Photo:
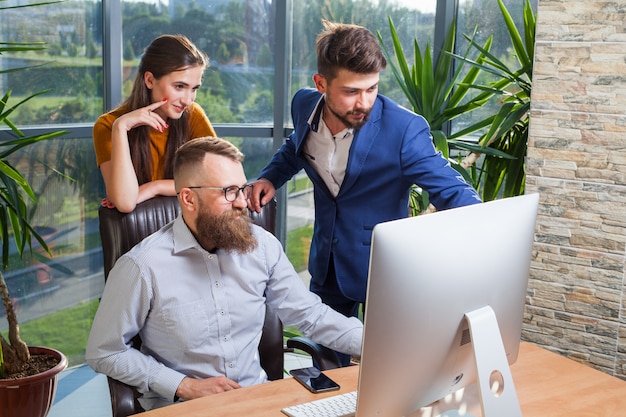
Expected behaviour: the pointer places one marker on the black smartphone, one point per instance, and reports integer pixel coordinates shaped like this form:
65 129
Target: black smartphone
314 380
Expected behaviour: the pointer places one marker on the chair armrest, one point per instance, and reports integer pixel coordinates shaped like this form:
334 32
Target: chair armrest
123 399
326 358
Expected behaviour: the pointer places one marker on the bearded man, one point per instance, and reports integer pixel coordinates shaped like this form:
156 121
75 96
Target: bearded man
196 291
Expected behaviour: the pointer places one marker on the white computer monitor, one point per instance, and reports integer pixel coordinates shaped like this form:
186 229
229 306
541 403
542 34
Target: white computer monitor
430 277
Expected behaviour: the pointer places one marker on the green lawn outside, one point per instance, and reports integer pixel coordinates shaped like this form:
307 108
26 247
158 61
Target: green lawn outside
298 243
65 330
299 183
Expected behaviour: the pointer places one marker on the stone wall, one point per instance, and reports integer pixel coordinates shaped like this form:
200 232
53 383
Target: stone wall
577 163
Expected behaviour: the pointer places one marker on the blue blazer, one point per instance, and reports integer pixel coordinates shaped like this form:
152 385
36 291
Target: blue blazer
392 151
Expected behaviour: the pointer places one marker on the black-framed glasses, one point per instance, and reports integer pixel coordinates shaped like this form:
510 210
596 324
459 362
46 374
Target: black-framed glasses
231 192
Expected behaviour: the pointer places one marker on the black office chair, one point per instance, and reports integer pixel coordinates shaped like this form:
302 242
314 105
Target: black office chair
119 232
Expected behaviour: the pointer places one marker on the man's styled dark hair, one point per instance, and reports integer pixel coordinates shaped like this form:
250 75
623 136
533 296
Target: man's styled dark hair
350 47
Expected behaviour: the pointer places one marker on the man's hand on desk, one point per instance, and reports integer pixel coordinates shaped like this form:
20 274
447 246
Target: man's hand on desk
191 388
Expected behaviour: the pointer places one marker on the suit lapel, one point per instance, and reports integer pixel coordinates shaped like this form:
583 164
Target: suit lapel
361 146
302 132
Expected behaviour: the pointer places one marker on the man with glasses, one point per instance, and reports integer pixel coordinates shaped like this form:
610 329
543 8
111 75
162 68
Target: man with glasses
362 152
196 291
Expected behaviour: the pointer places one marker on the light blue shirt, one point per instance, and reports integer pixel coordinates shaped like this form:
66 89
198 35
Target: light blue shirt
201 314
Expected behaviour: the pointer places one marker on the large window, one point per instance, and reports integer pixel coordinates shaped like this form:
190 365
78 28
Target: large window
261 52
55 296
70 67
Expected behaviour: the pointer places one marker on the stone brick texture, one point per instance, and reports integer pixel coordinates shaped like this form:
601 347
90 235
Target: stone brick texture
576 302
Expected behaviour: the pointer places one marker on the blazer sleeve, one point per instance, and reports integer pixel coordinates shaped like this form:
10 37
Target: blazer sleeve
286 163
431 171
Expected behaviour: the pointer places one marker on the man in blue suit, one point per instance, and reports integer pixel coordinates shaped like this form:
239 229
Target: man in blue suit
362 152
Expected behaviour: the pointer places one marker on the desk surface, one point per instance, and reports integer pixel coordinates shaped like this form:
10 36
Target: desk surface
547 384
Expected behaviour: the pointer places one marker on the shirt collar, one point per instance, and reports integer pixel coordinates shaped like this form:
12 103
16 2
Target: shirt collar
183 238
315 119
316 115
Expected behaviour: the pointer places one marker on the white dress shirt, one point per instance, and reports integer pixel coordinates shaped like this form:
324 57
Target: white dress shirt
328 153
201 314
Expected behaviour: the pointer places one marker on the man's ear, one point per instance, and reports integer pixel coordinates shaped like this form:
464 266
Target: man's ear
187 199
320 83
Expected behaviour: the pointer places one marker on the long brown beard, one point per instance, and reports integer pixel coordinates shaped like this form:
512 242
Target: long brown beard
225 231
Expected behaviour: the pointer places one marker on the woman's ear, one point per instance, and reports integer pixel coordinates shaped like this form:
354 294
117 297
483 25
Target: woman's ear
148 79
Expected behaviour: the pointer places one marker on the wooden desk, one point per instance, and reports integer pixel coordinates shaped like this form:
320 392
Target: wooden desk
547 384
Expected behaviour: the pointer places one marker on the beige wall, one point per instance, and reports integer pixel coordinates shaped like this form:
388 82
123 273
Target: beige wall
577 162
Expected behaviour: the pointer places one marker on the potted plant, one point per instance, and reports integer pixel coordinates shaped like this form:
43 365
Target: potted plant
28 374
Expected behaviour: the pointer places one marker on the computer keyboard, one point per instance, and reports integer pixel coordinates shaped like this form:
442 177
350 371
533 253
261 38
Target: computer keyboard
342 405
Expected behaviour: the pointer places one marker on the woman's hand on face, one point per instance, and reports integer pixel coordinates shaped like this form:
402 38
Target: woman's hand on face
145 116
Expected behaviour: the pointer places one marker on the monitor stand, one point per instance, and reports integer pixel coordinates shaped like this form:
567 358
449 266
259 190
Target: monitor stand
495 383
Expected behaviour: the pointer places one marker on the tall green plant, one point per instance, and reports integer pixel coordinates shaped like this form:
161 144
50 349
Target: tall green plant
503 174
15 191
436 91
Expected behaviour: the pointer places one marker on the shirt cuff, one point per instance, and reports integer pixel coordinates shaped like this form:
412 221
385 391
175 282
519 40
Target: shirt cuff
166 382
356 342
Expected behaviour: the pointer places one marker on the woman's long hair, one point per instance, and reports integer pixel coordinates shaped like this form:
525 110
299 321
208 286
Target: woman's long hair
165 54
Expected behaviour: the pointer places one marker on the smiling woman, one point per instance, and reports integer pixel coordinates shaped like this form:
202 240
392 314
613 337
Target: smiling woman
135 143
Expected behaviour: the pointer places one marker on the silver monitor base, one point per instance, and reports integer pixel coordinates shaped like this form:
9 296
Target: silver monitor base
495 383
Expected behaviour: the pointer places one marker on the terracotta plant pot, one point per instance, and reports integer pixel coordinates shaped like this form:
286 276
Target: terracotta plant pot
31 396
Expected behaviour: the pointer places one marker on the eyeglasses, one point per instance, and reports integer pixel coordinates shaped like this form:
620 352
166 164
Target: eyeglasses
231 193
